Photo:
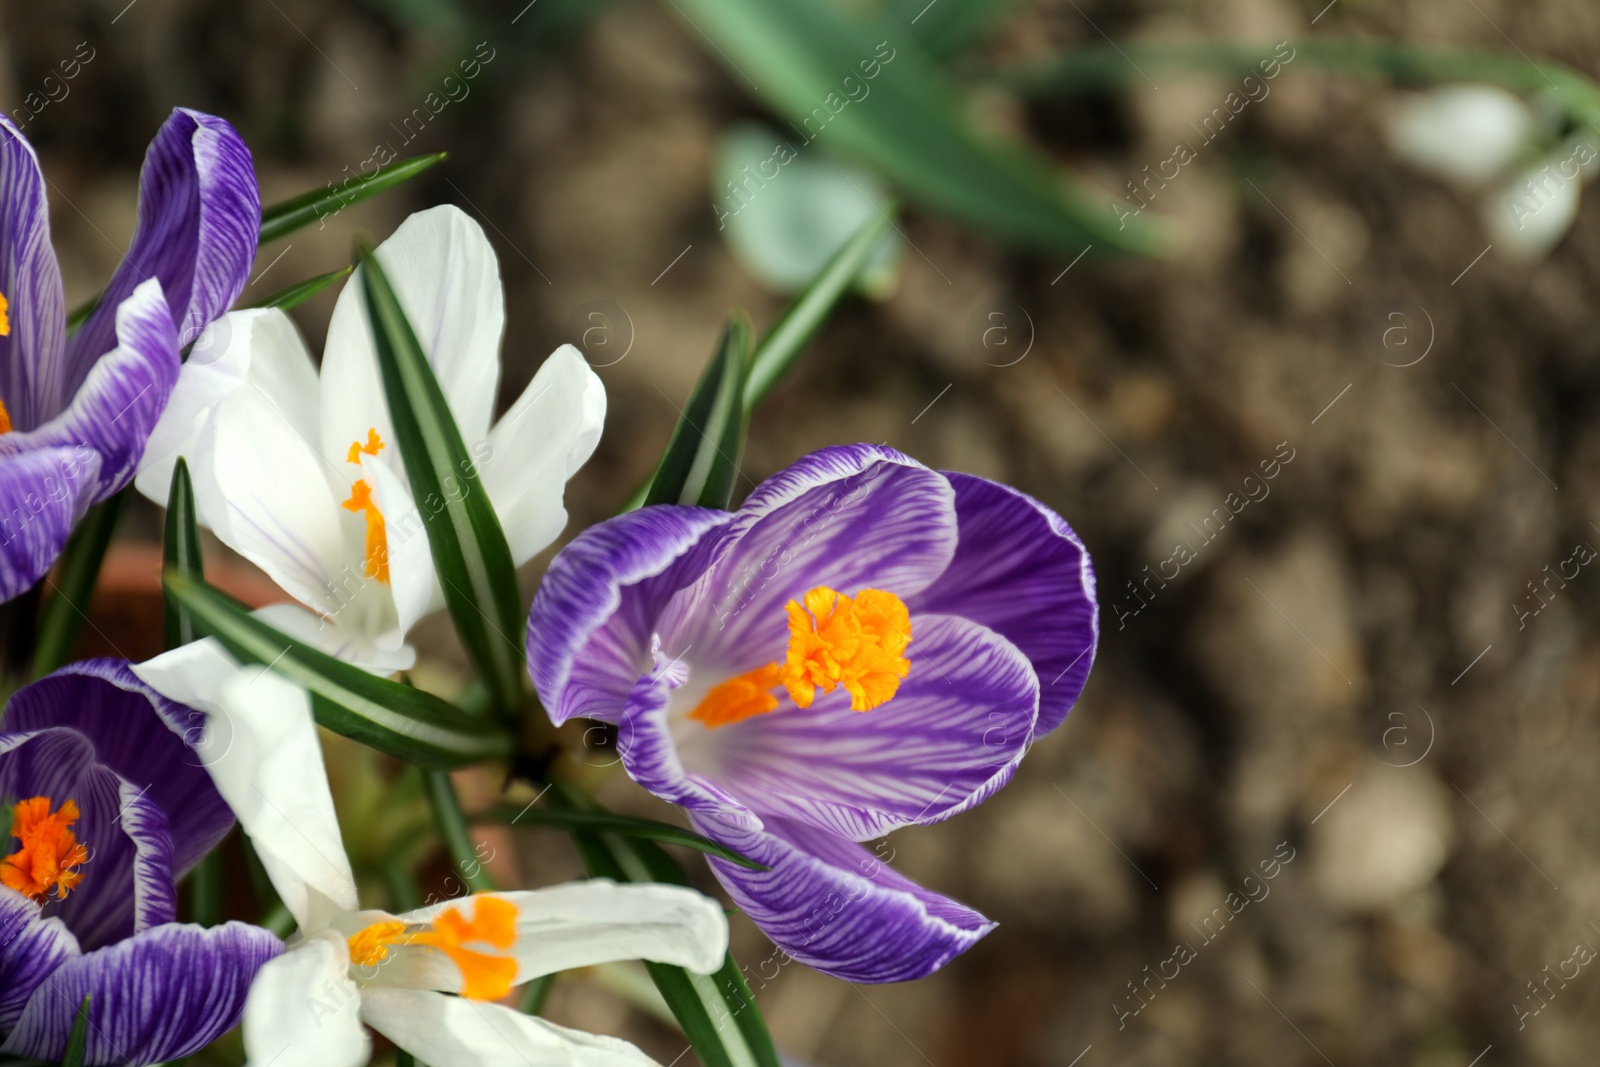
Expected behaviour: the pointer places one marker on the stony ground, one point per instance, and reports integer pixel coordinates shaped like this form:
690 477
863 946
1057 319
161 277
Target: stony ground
1336 689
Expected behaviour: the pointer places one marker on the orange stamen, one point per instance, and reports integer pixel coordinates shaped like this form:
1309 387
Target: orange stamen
5 316
373 446
361 502
50 852
857 643
5 417
484 975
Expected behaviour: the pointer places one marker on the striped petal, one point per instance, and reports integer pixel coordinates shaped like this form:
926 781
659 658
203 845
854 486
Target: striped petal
596 609
136 732
43 493
31 382
31 949
1023 573
119 402
836 906
155 997
199 217
854 517
953 735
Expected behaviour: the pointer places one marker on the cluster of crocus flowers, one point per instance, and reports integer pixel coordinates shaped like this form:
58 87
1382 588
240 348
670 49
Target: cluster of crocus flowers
75 412
864 645
426 979
109 808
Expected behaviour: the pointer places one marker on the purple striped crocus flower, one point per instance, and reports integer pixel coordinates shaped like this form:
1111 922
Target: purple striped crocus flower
865 644
109 806
75 412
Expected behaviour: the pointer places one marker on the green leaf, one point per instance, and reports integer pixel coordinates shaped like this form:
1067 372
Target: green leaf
702 459
290 215
300 292
469 548
64 611
860 85
78 1039
388 716
625 825
457 835
948 27
703 1004
180 554
802 319
205 890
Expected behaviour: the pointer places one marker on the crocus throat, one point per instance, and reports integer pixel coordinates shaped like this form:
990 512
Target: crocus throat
484 976
361 502
50 855
835 641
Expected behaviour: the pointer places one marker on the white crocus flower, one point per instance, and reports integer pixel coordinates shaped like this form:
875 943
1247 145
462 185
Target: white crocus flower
1486 140
297 470
425 979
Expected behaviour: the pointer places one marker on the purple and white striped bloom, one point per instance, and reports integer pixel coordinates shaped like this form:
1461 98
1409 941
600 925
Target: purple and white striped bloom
110 806
865 644
75 412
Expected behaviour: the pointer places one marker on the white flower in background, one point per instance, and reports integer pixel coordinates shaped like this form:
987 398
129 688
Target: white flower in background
424 979
1487 140
297 471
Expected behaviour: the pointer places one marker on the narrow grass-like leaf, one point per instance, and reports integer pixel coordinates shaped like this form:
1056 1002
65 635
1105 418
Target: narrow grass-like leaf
457 835
180 555
66 606
388 716
78 1039
704 1004
802 319
289 215
469 548
701 463
624 825
205 890
298 293
864 86
949 27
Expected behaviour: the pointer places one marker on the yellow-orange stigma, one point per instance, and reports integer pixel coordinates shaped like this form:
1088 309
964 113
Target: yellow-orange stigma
5 418
361 502
5 316
835 641
50 855
484 975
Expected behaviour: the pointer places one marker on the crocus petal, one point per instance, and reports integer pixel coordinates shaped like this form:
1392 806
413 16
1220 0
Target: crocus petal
199 217
1530 215
260 747
143 736
1021 571
412 578
448 282
341 642
259 348
454 1032
861 516
652 757
31 381
581 924
593 616
1467 134
303 1010
835 906
952 735
118 404
548 434
155 997
31 949
268 495
43 494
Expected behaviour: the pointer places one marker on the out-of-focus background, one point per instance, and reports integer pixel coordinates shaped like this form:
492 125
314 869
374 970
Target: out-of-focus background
1373 431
